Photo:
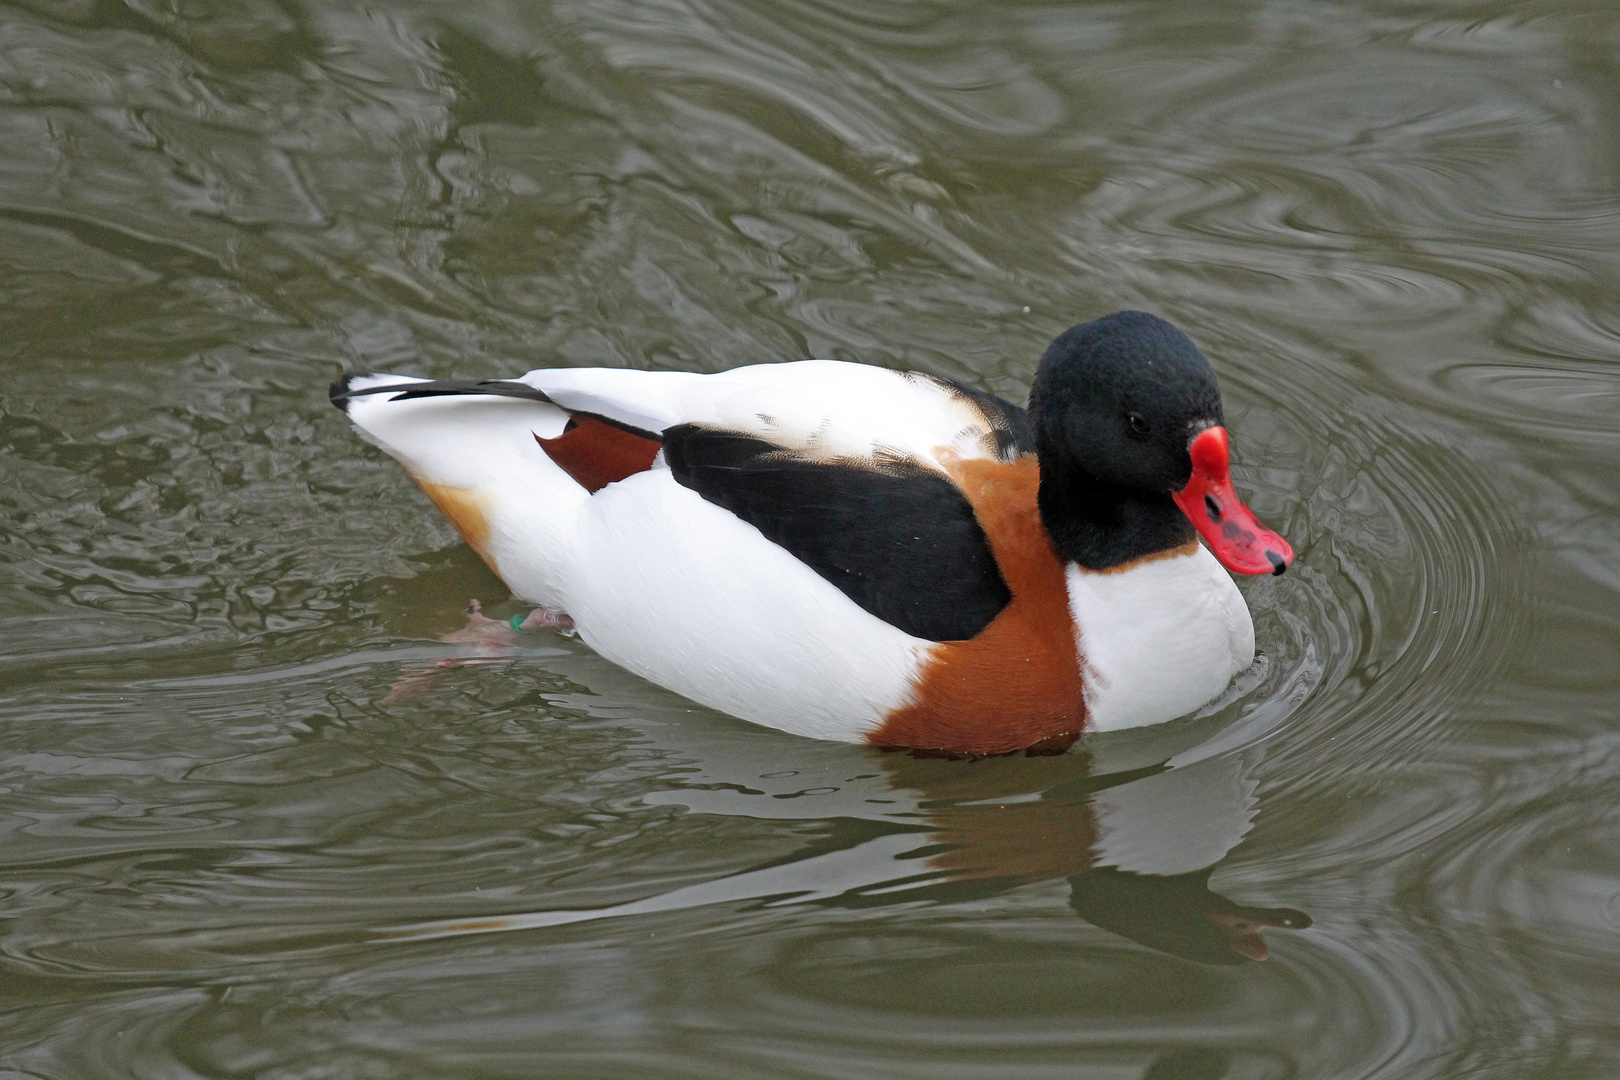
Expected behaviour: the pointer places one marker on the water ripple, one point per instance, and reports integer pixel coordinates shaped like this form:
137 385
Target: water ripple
1391 228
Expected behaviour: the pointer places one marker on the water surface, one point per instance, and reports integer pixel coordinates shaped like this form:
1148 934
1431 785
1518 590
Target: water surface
235 844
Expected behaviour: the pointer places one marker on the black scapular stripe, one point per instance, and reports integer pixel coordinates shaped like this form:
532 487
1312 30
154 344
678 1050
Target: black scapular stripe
898 539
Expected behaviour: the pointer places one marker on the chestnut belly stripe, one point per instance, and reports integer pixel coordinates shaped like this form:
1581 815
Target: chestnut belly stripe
1017 685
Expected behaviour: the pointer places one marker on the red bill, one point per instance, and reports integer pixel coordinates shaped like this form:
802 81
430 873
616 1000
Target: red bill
1211 503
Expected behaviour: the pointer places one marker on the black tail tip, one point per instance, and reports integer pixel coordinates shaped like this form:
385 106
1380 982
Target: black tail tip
338 392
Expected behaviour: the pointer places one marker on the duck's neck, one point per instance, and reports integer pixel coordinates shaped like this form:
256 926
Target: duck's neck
1101 525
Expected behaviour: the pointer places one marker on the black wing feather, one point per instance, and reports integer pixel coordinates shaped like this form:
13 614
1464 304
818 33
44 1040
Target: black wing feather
340 392
898 539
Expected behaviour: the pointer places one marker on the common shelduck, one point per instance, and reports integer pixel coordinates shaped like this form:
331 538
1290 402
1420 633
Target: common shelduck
861 554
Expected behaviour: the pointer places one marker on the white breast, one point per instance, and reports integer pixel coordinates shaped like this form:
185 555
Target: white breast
1158 640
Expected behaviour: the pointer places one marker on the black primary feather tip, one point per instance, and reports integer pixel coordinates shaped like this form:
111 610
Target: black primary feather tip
341 392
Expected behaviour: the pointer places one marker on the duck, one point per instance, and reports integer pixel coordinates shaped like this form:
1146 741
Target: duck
861 554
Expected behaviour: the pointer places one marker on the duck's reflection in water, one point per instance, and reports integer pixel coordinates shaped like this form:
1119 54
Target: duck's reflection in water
1137 847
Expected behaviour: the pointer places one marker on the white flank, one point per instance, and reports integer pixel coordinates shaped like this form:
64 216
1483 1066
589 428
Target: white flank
686 594
1158 640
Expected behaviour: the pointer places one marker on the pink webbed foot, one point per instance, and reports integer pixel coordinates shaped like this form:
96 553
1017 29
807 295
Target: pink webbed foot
546 619
487 641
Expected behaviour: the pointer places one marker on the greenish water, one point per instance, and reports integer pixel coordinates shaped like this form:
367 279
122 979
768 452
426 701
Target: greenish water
1393 226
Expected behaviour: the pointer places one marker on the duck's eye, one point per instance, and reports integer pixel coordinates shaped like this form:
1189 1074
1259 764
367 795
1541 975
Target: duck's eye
1138 423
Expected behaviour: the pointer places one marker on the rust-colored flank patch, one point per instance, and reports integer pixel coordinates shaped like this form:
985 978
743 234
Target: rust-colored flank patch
1017 685
463 508
597 454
